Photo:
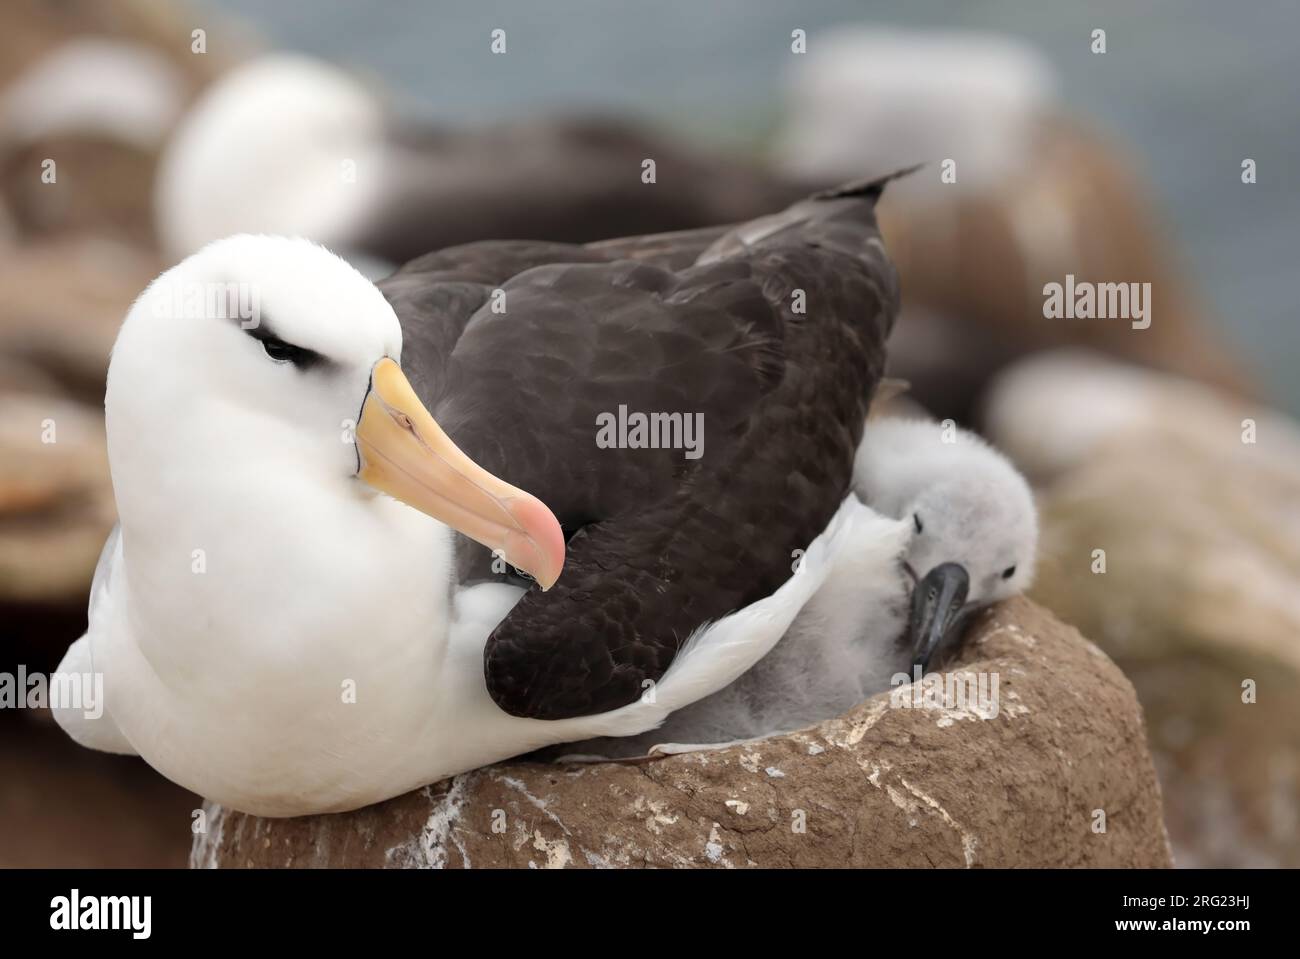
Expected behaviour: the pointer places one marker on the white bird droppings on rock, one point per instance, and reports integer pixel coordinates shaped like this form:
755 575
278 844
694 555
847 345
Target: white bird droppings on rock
713 848
556 850
428 850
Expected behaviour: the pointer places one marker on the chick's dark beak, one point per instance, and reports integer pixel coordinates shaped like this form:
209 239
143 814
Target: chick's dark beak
937 603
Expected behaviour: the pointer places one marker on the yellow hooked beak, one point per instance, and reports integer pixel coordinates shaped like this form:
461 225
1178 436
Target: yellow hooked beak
405 453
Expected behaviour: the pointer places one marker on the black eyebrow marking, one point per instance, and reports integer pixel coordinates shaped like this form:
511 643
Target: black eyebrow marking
300 356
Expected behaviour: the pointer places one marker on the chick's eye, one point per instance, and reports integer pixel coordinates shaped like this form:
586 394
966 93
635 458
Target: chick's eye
1008 572
916 519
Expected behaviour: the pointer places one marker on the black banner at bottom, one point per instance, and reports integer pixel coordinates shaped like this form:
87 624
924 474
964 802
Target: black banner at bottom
334 907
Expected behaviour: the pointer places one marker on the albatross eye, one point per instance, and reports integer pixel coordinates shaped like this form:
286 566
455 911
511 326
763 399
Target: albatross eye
281 352
916 519
1008 572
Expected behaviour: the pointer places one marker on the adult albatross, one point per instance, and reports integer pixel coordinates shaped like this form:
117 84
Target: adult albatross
277 634
770 336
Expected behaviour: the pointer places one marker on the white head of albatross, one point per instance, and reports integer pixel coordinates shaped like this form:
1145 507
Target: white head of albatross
265 364
272 628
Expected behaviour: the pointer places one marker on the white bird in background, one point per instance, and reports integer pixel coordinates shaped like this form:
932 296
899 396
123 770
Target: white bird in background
881 97
323 155
124 92
942 525
301 126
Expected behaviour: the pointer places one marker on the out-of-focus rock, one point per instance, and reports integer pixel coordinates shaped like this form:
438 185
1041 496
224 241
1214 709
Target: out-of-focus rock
1194 497
89 92
56 499
103 186
61 304
82 128
976 266
32 29
1034 196
67 807
879 786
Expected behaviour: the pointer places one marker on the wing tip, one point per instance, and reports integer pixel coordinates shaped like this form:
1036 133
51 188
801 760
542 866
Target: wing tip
866 187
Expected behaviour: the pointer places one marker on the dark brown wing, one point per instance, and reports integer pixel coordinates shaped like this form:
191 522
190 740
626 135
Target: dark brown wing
773 339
